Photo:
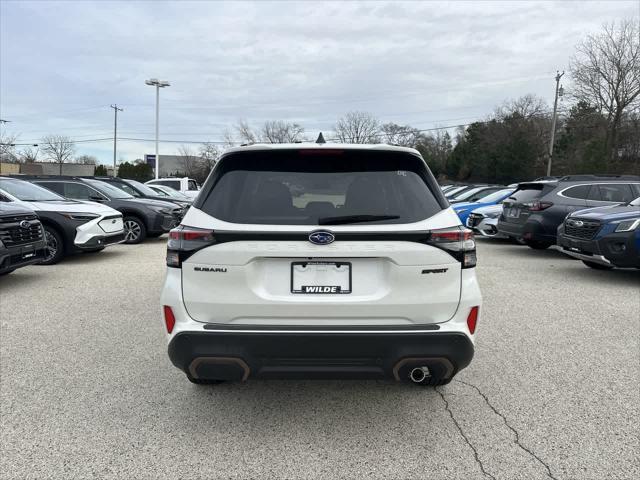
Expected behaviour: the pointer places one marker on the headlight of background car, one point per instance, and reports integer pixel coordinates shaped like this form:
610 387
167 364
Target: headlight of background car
80 216
627 225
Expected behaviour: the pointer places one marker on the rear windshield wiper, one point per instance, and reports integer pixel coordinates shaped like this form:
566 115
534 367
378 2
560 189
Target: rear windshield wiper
354 219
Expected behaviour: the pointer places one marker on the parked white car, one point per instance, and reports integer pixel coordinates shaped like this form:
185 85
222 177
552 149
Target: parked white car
186 185
70 226
484 220
321 261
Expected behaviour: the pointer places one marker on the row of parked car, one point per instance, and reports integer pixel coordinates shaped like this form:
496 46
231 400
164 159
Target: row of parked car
44 218
594 218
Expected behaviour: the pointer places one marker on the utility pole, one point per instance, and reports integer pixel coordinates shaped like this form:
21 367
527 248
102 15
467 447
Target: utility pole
559 92
154 82
3 122
115 134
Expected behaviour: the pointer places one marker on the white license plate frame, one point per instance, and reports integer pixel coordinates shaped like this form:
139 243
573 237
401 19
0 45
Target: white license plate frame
327 287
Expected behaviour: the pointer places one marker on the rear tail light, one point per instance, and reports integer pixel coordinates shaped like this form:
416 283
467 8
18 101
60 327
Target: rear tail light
537 206
472 319
185 241
458 242
169 318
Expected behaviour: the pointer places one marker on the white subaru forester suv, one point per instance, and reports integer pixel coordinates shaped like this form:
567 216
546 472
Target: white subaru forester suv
321 261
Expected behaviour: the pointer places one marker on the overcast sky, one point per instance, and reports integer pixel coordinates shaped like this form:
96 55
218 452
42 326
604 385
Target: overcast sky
425 64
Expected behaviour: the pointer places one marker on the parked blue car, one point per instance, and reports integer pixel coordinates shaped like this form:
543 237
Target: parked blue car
463 209
603 237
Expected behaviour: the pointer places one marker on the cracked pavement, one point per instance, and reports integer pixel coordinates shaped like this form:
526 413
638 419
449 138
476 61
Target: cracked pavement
86 388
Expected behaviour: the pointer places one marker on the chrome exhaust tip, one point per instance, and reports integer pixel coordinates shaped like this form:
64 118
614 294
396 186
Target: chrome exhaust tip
419 374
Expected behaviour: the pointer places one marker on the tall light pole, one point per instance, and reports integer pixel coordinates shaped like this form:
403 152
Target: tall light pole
115 134
559 92
158 84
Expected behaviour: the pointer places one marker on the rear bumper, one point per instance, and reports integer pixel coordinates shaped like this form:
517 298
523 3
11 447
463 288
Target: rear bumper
239 355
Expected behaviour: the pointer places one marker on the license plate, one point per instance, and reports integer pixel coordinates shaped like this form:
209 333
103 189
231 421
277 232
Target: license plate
513 213
321 277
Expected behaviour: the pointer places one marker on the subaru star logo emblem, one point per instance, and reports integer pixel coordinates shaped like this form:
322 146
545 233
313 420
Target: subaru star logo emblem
24 224
578 223
321 237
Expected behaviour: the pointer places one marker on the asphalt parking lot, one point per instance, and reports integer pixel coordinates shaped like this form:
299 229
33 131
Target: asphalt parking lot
87 390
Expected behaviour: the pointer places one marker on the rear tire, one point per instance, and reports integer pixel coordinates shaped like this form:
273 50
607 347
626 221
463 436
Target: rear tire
596 266
134 230
537 245
54 251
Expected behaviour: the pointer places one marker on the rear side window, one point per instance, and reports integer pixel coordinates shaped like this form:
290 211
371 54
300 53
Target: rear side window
193 185
175 184
612 192
309 187
580 192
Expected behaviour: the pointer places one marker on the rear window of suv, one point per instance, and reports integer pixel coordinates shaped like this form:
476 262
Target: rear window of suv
313 187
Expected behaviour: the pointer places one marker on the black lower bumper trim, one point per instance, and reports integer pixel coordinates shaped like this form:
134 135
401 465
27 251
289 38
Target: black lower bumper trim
241 355
101 241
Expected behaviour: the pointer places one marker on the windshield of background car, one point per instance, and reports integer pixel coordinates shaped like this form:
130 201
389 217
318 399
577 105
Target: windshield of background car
108 190
495 196
27 192
299 187
140 187
465 195
170 192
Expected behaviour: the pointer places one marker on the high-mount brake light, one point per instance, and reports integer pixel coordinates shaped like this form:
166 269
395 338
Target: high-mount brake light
321 151
459 242
184 241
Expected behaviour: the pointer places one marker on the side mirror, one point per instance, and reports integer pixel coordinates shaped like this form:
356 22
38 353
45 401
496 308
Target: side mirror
96 198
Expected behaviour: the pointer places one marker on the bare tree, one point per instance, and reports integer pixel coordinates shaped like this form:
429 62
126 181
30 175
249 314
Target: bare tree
86 160
357 127
278 131
58 148
403 135
209 154
606 74
244 131
527 107
29 154
8 148
190 161
229 141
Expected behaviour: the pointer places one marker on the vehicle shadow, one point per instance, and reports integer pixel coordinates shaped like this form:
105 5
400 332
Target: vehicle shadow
20 278
297 406
617 276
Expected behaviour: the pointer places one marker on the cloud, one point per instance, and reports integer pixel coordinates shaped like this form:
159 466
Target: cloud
423 63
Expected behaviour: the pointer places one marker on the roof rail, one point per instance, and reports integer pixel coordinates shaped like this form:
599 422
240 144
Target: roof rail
599 176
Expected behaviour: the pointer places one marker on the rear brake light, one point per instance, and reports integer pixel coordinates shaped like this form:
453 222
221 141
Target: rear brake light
472 319
537 206
169 318
185 241
459 242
